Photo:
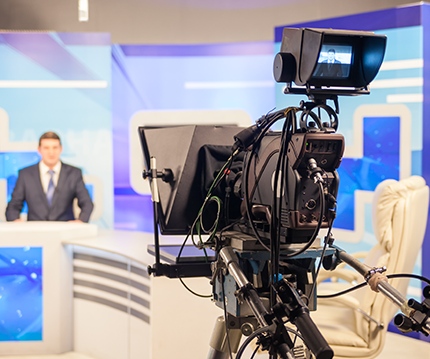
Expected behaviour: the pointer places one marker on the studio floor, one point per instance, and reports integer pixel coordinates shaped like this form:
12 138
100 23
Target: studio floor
397 347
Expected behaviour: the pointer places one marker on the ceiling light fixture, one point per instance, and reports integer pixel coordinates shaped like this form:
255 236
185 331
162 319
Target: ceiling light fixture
83 10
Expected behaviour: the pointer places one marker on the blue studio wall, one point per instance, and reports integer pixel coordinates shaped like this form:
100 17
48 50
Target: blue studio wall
176 78
58 82
392 139
89 92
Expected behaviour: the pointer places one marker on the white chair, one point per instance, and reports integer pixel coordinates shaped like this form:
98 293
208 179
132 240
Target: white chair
355 324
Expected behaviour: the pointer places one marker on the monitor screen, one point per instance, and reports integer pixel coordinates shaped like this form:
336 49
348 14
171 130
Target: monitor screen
334 62
194 154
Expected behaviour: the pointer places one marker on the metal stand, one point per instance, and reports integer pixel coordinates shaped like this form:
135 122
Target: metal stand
176 270
223 340
272 333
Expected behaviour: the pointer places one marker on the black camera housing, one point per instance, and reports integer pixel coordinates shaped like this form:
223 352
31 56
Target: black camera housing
304 51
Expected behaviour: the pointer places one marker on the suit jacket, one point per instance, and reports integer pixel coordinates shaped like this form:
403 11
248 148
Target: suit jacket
329 70
29 188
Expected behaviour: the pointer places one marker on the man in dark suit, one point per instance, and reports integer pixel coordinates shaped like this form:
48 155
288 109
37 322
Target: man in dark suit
330 67
50 187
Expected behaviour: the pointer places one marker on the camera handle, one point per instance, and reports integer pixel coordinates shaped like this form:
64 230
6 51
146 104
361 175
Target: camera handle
152 174
166 175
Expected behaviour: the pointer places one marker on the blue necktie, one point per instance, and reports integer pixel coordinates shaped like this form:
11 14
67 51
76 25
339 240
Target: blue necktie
51 187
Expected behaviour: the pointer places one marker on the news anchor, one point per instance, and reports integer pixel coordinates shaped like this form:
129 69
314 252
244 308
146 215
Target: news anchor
330 67
50 187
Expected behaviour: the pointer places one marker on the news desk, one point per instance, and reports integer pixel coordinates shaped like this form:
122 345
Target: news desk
71 287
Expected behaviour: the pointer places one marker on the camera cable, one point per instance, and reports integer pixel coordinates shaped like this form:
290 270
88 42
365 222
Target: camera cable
363 284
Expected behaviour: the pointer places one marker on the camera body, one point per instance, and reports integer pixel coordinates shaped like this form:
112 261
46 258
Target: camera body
263 201
289 181
298 195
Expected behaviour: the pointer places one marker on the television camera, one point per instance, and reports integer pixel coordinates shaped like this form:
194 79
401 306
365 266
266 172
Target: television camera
253 201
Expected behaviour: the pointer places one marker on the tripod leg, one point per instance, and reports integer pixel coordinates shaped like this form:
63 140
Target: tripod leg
220 344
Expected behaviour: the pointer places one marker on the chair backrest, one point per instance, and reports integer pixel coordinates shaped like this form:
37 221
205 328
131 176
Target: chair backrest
400 210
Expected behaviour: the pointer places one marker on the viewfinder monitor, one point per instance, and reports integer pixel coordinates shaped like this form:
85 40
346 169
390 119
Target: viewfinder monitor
327 58
334 61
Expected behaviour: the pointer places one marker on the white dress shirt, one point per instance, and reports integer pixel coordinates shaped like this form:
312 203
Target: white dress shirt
45 176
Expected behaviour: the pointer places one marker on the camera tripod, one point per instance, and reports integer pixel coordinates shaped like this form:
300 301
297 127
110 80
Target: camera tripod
255 317
250 310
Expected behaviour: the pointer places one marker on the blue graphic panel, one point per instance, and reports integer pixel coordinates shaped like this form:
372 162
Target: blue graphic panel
381 160
64 82
404 76
178 77
21 294
10 164
381 135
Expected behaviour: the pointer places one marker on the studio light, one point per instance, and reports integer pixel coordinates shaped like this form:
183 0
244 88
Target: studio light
83 10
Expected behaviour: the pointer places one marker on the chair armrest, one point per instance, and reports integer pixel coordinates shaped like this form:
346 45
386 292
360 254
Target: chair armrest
343 300
348 302
350 276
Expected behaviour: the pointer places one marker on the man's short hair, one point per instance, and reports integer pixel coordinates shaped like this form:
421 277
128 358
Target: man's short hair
331 50
49 135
